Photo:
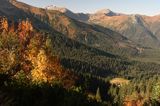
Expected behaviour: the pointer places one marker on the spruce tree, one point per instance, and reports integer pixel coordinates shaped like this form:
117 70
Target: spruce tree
98 95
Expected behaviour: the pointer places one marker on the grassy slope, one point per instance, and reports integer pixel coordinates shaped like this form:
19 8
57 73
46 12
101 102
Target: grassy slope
149 55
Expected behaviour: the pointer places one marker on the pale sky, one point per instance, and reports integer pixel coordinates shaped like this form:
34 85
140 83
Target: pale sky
145 7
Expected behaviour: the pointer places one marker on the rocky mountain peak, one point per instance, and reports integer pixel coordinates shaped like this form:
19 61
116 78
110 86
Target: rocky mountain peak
107 12
104 11
60 9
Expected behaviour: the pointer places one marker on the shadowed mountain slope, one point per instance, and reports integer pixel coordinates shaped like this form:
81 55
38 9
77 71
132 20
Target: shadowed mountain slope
91 35
143 30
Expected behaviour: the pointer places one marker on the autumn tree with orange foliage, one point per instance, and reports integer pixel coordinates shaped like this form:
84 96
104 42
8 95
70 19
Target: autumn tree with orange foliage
12 28
4 24
24 30
34 55
47 67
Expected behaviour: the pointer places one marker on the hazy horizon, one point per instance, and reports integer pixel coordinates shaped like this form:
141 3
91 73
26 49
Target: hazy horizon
144 7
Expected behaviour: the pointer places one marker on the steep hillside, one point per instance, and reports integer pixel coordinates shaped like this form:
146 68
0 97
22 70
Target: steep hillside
153 24
143 30
91 35
133 27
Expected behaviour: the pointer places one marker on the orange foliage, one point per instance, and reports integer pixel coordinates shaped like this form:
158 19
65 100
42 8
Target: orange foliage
55 69
47 68
4 24
24 29
138 102
133 103
12 28
34 58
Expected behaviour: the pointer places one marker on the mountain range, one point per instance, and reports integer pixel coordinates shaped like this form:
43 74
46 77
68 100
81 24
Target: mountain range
141 29
92 35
